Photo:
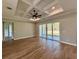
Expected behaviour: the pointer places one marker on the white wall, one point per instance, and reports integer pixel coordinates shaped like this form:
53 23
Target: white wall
68 28
23 30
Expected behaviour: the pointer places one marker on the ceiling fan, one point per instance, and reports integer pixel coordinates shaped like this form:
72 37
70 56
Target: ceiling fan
35 15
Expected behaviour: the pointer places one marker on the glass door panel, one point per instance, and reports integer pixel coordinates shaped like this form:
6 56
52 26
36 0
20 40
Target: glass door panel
10 30
40 30
56 31
49 31
44 31
7 30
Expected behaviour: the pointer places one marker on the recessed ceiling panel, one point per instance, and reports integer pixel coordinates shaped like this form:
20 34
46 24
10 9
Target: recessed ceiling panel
29 14
54 9
22 6
29 1
19 13
43 3
44 15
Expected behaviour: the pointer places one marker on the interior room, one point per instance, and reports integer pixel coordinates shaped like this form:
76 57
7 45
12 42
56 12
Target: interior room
39 29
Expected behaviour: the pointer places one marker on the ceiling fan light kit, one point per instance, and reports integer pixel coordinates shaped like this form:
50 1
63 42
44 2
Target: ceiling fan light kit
37 19
35 15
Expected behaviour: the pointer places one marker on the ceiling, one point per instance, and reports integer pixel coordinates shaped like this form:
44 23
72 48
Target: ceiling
20 9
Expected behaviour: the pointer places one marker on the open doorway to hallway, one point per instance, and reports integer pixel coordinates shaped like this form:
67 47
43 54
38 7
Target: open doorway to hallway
50 31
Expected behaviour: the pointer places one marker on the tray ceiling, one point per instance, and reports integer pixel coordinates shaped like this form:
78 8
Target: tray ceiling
22 8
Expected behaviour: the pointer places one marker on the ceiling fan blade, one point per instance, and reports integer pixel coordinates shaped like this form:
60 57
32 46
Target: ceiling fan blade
36 13
39 15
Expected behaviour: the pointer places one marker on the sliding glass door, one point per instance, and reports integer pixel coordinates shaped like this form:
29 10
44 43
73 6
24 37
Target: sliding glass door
56 31
42 29
50 31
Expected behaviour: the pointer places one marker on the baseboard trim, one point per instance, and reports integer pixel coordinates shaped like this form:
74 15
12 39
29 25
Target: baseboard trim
68 43
24 38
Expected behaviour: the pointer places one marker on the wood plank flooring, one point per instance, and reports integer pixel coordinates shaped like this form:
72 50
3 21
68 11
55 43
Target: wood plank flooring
35 48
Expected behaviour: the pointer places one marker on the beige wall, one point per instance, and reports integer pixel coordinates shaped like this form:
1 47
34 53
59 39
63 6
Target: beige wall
68 28
22 29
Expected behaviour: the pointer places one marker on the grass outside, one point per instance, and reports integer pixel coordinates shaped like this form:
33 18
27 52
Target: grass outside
54 33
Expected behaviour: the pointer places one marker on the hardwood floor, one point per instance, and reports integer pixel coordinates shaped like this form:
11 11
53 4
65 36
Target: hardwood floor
33 48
